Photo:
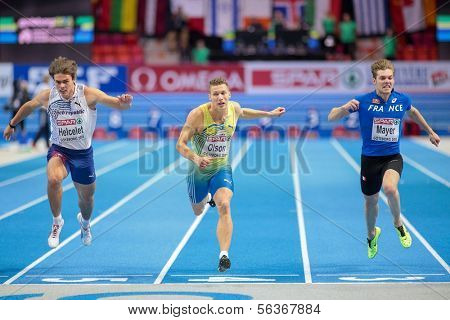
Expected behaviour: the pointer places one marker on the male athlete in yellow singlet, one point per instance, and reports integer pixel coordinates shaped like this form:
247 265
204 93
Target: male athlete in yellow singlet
210 128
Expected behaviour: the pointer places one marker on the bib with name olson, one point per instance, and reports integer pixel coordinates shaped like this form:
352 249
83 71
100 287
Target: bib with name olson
216 146
215 139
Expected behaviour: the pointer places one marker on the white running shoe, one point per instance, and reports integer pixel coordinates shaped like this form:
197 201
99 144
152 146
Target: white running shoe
86 235
53 238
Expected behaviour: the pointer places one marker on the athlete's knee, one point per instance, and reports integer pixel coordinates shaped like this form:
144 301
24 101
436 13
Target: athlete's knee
54 180
86 199
223 204
371 201
390 190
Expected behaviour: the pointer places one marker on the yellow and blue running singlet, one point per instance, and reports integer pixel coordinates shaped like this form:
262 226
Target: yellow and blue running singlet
214 141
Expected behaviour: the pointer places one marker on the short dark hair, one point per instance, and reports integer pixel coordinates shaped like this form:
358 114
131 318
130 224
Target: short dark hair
63 65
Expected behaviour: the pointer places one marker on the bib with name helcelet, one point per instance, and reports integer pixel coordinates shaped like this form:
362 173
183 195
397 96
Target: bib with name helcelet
386 129
72 122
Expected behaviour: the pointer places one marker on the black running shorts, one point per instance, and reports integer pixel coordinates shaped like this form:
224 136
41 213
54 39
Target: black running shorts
373 169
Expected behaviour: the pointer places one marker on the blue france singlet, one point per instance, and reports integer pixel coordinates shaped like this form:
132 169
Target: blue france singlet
381 122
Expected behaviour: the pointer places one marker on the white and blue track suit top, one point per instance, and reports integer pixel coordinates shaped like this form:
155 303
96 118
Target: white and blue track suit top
72 121
381 122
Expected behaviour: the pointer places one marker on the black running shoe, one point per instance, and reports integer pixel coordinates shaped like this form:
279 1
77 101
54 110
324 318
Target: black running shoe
224 264
212 204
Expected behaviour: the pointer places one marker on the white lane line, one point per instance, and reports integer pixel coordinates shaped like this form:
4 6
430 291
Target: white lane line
444 146
161 174
197 220
424 170
22 177
300 217
378 274
411 228
36 172
11 157
86 275
110 147
235 275
69 186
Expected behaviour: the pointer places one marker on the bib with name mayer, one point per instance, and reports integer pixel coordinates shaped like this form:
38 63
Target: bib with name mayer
385 129
381 122
215 139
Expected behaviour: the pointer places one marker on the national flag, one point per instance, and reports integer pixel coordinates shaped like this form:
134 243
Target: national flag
115 13
221 17
413 15
293 11
102 10
429 11
260 10
370 17
321 9
309 12
147 16
191 8
128 19
153 16
163 10
407 15
195 12
443 28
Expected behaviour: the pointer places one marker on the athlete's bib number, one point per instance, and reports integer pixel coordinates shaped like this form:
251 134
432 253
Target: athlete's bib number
385 129
70 129
216 146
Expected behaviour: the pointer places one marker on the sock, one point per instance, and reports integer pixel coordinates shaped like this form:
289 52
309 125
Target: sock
84 223
223 253
58 219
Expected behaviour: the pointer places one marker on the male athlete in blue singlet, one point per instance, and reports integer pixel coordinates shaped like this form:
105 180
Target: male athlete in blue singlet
210 127
72 111
380 115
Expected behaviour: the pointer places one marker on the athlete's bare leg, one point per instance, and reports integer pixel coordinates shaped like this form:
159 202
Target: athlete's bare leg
371 211
56 172
85 199
199 207
222 198
390 188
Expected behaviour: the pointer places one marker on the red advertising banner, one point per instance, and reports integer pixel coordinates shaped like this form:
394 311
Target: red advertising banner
299 77
188 78
291 77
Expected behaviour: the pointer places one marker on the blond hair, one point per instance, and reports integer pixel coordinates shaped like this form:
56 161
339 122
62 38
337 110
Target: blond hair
217 82
63 65
382 64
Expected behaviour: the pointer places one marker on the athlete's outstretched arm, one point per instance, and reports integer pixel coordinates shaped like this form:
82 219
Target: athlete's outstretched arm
94 96
343 111
417 117
247 113
189 128
25 110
